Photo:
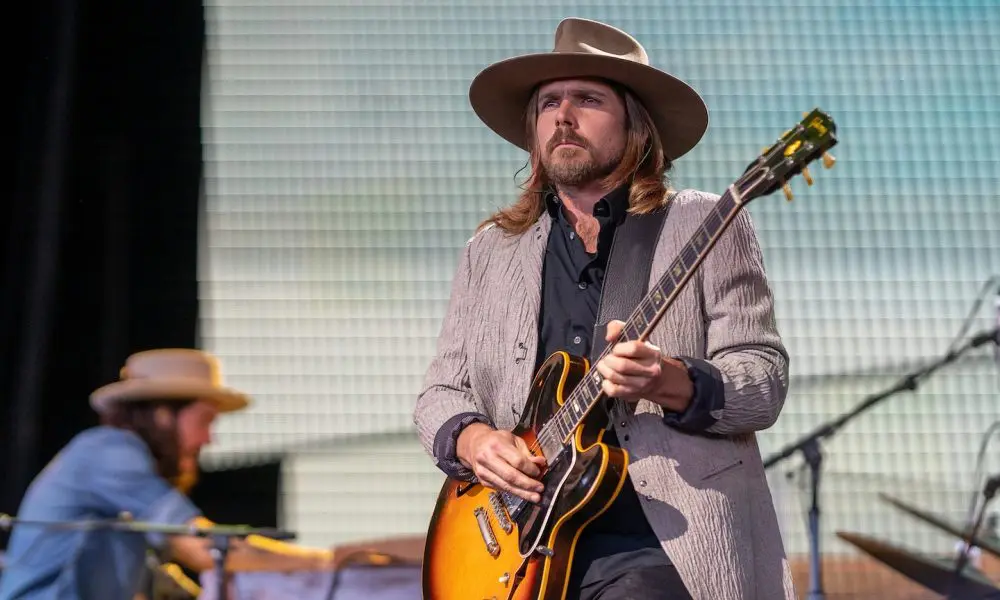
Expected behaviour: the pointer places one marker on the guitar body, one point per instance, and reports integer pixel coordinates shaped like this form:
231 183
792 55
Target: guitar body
487 545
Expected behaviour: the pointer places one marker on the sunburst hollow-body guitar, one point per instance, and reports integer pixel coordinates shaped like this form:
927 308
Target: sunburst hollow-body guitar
486 544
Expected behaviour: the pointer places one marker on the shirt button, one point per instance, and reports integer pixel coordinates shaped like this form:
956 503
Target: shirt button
577 340
623 424
582 285
642 483
572 235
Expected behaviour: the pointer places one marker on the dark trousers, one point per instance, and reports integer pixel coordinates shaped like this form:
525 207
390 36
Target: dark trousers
642 583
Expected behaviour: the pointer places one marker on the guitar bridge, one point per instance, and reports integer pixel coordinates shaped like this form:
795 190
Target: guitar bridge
489 538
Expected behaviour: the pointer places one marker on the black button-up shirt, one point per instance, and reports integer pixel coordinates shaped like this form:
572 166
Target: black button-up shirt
572 280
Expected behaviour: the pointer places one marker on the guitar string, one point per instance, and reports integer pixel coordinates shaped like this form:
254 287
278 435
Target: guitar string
546 431
546 434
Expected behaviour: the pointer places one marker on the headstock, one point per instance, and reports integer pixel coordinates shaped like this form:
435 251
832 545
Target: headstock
790 155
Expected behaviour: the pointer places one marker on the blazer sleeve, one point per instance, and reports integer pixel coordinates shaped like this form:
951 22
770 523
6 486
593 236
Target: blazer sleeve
445 404
741 384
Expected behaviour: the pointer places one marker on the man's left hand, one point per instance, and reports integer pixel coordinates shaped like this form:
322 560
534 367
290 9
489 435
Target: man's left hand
636 370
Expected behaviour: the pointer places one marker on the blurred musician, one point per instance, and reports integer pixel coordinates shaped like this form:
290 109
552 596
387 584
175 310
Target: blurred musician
141 460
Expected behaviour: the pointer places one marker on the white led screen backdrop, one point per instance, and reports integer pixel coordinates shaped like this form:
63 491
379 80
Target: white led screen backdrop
345 169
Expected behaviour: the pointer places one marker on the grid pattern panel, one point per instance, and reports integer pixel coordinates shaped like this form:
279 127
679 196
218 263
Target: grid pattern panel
345 170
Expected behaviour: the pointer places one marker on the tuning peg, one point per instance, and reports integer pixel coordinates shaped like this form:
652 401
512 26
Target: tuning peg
788 191
807 176
828 160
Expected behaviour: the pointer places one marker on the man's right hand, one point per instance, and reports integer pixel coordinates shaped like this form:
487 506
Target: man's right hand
501 460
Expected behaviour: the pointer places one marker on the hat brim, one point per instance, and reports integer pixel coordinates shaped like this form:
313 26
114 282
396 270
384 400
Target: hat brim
500 93
138 390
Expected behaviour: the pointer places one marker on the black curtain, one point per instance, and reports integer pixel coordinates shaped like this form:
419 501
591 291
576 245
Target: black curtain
101 216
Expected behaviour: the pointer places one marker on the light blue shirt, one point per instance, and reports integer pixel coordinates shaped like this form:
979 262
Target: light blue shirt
101 473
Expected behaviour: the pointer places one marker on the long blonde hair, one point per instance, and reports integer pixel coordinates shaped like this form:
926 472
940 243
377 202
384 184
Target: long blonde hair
643 166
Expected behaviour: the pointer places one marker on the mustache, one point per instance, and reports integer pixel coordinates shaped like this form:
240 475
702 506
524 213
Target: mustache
565 137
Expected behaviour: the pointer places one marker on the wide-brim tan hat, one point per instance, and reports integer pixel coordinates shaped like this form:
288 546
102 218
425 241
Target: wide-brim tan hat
169 374
589 49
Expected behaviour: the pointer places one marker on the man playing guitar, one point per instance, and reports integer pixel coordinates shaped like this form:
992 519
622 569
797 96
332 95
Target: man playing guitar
694 518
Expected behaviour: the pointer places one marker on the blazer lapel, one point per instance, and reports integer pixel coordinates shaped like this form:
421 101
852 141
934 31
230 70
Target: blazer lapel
531 251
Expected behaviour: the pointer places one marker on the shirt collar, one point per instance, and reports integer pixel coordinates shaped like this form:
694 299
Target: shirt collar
613 206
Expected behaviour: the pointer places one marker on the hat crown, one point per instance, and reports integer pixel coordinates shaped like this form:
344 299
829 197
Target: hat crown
574 35
173 364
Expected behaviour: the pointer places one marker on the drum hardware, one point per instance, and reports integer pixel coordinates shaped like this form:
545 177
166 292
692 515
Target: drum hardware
220 535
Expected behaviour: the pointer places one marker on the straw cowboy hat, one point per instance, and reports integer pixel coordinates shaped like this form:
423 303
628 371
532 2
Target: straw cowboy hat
584 48
169 374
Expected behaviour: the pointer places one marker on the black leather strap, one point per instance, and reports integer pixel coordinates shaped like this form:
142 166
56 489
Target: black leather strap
626 278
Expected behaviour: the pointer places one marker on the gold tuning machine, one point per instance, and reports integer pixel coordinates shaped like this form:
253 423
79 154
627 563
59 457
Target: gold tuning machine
828 160
788 191
807 176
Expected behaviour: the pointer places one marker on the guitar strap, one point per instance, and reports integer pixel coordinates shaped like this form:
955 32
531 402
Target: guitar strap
626 276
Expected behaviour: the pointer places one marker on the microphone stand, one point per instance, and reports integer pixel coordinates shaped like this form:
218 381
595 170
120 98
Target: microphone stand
809 446
989 490
220 535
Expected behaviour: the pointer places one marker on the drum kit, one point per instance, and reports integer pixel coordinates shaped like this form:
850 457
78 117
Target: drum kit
951 578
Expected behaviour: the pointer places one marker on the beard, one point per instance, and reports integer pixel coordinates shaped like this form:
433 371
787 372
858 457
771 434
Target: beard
575 165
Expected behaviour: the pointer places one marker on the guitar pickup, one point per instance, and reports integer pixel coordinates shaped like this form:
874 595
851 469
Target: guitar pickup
503 519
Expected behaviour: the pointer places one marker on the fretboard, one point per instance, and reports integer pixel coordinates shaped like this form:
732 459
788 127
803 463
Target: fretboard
645 317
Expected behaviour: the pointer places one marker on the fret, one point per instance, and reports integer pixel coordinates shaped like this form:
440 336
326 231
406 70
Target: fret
648 311
700 239
567 423
657 296
593 388
689 255
595 379
713 222
725 204
676 273
632 331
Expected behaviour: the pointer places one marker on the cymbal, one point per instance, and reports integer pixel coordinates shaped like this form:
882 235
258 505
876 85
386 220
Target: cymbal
933 573
944 525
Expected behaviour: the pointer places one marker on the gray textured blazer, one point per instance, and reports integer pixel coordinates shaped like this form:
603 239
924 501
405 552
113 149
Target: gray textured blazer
705 496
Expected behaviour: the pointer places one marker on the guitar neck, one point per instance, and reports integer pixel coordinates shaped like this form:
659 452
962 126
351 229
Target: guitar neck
651 309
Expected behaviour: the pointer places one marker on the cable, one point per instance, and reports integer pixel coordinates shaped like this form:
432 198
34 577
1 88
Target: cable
371 557
969 318
974 518
980 459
